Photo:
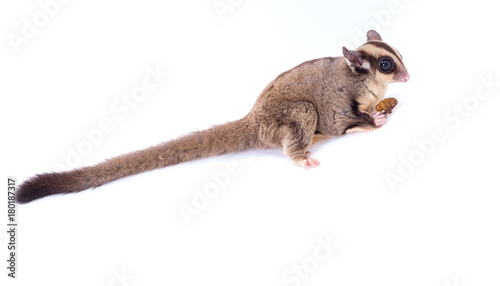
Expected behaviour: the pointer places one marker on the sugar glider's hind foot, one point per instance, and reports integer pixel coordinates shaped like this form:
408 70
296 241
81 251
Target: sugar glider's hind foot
309 162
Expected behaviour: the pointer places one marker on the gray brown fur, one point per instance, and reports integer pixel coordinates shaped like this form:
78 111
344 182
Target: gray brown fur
326 97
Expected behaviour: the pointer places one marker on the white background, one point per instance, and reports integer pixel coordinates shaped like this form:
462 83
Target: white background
438 226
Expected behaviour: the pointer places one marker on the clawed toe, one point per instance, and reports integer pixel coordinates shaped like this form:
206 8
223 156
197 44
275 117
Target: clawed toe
379 118
309 162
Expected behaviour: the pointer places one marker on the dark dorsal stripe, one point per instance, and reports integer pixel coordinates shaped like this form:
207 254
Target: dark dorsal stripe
384 46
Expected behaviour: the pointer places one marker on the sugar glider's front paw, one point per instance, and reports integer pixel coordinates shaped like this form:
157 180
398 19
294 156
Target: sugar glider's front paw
379 118
309 162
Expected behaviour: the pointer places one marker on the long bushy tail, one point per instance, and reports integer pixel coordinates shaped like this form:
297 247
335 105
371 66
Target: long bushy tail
233 136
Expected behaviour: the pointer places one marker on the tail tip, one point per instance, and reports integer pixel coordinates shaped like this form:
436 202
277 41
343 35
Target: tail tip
36 187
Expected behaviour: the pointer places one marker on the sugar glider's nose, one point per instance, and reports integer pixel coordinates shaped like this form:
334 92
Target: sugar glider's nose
402 76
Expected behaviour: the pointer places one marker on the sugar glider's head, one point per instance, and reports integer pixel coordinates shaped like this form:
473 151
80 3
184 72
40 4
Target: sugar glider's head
383 62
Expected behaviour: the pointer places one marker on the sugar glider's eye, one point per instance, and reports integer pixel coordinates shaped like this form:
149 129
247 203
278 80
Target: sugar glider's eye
386 65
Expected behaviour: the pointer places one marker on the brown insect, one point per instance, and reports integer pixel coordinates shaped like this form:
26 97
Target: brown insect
387 105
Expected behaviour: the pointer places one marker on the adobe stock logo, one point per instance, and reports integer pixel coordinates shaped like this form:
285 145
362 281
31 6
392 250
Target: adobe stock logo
454 282
323 251
30 28
203 197
454 118
380 19
121 107
222 7
120 278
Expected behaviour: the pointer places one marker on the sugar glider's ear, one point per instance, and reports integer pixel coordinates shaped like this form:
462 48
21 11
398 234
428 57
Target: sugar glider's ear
355 59
372 35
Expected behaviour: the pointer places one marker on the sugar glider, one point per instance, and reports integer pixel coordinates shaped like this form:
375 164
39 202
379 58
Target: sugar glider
327 97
